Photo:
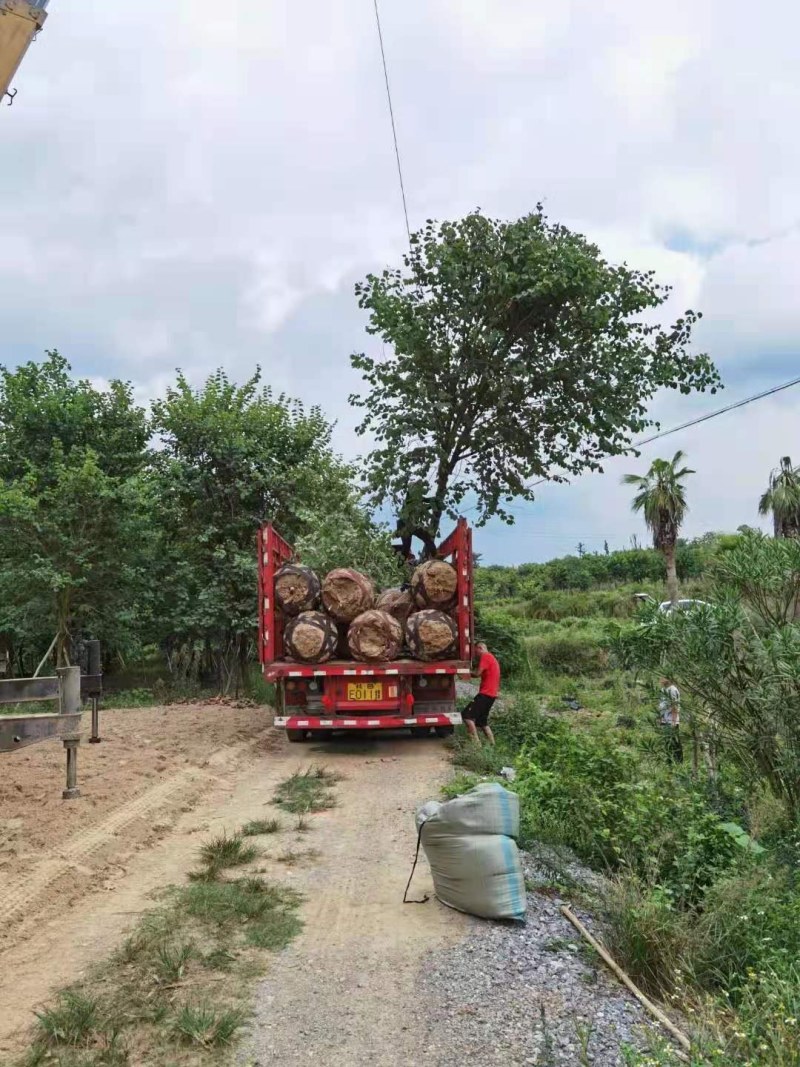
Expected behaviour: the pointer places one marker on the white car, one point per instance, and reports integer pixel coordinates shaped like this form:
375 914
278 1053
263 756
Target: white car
667 606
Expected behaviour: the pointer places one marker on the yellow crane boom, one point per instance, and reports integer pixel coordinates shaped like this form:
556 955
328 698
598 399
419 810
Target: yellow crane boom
20 21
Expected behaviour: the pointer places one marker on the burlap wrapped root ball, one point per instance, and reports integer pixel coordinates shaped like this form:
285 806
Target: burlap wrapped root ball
375 636
397 602
431 634
296 589
310 637
435 585
346 594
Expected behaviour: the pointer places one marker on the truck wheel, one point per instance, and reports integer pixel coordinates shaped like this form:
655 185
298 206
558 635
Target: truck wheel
420 731
445 731
296 735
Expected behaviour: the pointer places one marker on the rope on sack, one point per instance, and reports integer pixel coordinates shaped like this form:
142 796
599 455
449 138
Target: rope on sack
426 898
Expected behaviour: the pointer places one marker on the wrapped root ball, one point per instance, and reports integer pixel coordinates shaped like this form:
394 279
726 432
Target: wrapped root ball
296 589
375 636
397 602
435 585
347 594
431 634
311 637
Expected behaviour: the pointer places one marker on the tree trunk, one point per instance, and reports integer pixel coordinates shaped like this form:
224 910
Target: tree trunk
63 642
672 573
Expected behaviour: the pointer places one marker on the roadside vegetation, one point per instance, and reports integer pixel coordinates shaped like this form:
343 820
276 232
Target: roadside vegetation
702 893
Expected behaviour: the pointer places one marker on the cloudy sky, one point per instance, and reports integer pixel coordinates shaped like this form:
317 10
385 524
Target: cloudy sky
199 183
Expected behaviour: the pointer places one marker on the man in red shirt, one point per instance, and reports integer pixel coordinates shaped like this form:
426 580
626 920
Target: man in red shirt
476 714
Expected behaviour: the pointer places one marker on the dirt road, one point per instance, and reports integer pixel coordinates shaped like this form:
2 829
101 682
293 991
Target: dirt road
344 992
75 877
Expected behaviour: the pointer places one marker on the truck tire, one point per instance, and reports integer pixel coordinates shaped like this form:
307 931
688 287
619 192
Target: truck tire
296 735
420 731
445 731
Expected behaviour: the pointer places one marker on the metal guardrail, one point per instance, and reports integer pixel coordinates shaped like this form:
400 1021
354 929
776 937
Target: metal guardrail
70 689
27 690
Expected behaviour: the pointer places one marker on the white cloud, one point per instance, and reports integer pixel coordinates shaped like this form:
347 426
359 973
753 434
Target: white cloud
195 184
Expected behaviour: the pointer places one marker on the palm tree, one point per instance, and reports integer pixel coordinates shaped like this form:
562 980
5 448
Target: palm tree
783 499
661 497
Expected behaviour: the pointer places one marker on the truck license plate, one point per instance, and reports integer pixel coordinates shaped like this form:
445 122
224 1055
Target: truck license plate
364 691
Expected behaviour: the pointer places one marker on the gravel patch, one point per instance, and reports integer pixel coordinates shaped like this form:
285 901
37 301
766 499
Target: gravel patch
533 993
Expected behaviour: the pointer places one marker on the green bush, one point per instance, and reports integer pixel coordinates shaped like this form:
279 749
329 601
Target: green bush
586 791
501 633
750 923
569 651
596 603
647 935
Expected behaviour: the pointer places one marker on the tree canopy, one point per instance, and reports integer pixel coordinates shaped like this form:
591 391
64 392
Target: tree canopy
141 532
72 529
230 458
515 352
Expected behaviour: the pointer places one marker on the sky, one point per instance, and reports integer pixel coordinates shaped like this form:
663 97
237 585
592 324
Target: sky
200 183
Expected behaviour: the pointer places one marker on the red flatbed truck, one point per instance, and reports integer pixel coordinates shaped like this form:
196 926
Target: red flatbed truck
352 694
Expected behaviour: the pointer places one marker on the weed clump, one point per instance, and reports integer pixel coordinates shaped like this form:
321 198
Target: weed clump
307 791
261 827
134 1007
206 1025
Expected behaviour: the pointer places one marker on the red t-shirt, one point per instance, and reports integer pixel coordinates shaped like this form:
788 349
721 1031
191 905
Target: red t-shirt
489 670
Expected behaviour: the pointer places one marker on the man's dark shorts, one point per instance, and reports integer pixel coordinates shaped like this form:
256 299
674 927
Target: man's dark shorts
478 709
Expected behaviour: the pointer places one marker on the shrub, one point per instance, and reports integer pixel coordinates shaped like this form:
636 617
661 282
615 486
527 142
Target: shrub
647 935
750 923
500 631
739 656
560 605
586 791
569 651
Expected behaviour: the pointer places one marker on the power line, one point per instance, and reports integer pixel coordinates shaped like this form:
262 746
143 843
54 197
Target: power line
697 421
683 426
391 116
720 411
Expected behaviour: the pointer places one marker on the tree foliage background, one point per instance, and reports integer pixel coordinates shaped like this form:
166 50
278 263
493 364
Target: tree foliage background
140 529
516 352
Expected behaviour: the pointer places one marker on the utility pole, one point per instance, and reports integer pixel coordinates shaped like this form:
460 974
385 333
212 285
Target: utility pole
20 21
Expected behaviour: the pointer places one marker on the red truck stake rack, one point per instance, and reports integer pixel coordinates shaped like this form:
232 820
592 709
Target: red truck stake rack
402 694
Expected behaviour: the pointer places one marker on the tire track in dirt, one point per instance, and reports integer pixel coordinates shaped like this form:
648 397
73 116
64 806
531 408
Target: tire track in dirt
70 933
23 895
